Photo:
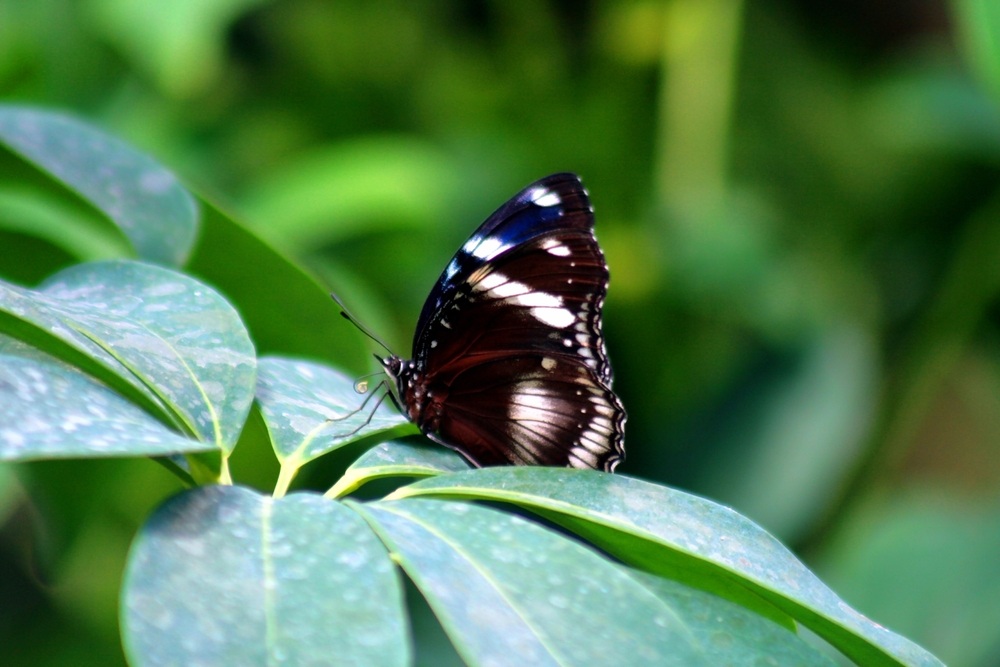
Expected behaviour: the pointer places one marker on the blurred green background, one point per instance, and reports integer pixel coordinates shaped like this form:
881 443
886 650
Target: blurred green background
799 202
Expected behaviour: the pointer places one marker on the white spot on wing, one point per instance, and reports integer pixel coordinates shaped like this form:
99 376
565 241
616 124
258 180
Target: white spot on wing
490 281
544 307
484 248
540 299
555 317
530 406
603 409
554 247
545 197
509 289
581 458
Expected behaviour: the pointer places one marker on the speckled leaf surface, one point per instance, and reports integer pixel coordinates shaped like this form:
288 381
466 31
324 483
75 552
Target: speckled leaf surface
50 410
157 214
299 398
399 459
169 336
730 634
224 576
509 592
659 529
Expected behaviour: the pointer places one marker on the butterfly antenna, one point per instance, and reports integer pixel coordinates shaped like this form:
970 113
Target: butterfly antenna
350 318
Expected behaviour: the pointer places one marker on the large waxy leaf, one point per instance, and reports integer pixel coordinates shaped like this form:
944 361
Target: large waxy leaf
669 532
510 592
168 337
139 195
161 219
731 634
48 410
298 400
225 576
398 459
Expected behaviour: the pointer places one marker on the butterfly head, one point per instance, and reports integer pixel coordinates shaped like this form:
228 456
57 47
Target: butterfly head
405 386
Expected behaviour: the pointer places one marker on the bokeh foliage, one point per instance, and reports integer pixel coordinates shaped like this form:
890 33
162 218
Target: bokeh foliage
798 204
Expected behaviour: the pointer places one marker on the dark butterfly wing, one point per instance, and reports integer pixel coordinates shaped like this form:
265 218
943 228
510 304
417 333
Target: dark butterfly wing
509 361
554 202
532 410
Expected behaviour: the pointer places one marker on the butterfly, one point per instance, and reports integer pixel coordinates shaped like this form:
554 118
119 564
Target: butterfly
509 364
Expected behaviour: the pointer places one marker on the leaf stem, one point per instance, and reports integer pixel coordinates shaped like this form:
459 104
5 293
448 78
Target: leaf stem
225 476
289 468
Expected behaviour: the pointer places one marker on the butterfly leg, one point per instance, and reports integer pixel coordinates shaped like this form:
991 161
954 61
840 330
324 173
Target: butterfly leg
383 390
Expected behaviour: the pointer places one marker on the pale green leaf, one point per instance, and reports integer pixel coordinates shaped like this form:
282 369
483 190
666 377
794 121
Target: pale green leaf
311 409
225 576
682 536
170 337
139 195
50 410
509 592
730 634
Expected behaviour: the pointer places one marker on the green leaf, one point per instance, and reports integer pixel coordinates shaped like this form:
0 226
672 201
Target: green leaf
49 410
398 459
508 591
168 336
728 633
287 310
139 195
223 575
11 492
30 212
683 537
298 399
341 190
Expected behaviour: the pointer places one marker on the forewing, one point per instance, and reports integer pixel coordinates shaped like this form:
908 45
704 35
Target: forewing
552 203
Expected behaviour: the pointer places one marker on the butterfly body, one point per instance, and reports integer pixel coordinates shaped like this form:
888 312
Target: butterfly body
509 364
